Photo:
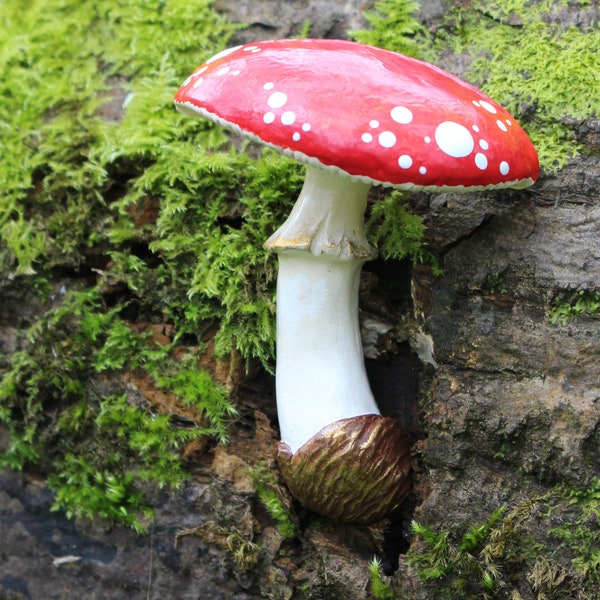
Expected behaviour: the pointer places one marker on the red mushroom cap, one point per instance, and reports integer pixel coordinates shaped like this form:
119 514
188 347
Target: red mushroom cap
377 115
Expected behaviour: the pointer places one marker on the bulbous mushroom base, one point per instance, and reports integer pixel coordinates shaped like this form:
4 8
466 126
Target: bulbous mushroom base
354 470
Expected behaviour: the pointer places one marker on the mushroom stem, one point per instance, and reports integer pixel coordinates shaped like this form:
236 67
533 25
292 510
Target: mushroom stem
320 373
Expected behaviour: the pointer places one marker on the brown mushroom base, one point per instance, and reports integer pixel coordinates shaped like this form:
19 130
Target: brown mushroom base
354 470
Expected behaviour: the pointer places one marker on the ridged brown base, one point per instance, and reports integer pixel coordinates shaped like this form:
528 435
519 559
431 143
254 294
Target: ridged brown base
354 470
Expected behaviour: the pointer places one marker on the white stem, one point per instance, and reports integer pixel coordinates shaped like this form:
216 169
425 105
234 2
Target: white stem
327 218
320 374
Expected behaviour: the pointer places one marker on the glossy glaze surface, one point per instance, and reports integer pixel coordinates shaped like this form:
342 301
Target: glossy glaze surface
374 114
355 470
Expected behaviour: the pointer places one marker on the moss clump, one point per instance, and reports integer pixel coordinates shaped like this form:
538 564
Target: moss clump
87 430
394 27
96 141
397 232
379 588
92 153
578 304
518 553
68 67
215 249
274 501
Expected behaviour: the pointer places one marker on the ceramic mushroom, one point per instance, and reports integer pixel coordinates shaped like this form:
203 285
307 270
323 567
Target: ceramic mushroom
357 116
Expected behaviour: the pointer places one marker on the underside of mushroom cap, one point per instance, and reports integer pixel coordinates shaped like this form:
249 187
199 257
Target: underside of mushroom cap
375 115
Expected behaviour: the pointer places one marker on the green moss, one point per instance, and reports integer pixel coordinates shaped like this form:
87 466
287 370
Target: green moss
379 588
397 232
578 304
69 146
459 563
99 444
580 533
516 551
272 499
393 26
103 180
234 281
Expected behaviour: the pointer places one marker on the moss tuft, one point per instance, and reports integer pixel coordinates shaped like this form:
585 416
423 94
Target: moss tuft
516 551
578 304
394 27
68 414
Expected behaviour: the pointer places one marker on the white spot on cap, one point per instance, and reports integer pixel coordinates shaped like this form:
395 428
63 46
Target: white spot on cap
475 102
277 99
481 161
288 117
367 138
306 127
422 170
195 74
296 136
488 106
223 71
374 124
405 161
483 144
401 115
475 128
501 125
504 168
269 85
427 139
387 139
198 82
509 122
269 117
454 140
223 54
